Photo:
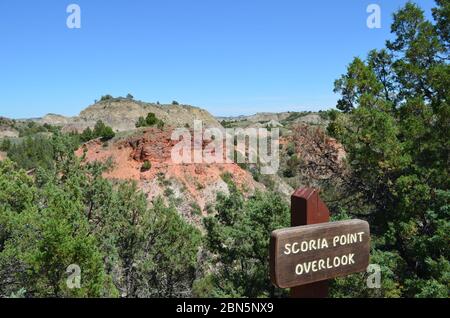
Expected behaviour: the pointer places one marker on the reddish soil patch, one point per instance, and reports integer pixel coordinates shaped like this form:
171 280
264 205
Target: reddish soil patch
155 146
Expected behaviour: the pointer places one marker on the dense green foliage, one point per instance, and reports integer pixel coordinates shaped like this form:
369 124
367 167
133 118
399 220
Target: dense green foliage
40 150
32 152
31 128
68 214
101 130
149 121
147 165
106 97
238 240
395 126
5 145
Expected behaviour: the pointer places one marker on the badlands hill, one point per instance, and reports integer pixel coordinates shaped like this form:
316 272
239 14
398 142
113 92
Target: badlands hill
122 113
283 119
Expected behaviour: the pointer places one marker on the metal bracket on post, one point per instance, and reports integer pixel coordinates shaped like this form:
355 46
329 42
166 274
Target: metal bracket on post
306 209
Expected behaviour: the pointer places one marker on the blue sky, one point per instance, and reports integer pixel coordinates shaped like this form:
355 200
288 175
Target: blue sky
229 56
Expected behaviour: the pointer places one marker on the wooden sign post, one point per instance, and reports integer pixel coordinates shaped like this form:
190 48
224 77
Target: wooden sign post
304 256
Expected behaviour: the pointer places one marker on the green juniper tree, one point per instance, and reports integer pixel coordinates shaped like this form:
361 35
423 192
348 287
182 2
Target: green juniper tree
395 125
238 239
68 214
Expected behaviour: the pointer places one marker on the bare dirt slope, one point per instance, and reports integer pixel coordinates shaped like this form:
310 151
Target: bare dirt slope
192 187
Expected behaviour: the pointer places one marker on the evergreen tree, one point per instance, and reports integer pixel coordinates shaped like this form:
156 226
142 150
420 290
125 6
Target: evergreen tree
87 135
238 238
103 131
70 215
395 128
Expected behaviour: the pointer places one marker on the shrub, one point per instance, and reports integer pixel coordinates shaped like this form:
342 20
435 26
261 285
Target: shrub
32 152
30 129
210 208
87 135
195 209
149 121
240 269
227 177
141 122
6 145
146 166
168 192
292 166
199 186
290 150
160 124
160 177
106 97
44 227
103 131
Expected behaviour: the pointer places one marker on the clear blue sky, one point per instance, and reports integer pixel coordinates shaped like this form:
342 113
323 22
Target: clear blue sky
228 56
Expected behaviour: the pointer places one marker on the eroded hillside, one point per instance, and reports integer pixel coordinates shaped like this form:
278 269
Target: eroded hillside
191 187
122 114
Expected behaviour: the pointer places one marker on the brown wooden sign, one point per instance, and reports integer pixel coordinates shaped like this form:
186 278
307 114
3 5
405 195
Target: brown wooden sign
311 253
